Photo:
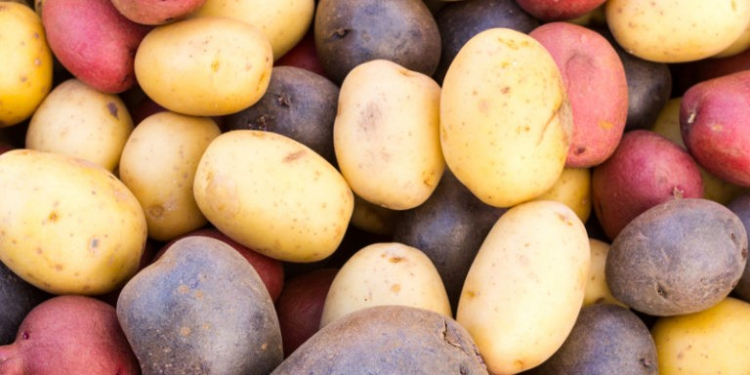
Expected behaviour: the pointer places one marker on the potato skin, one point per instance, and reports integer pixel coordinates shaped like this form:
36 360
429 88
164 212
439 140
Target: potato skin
17 298
679 257
555 10
156 12
574 189
740 206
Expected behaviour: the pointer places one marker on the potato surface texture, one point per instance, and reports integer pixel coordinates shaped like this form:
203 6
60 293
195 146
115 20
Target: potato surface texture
207 66
26 76
524 290
386 134
274 195
504 117
69 226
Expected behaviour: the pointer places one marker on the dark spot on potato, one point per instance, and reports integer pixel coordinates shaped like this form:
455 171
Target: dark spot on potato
53 216
580 150
283 100
340 33
661 291
395 288
156 211
744 253
25 335
24 78
112 107
396 259
645 362
294 156
58 267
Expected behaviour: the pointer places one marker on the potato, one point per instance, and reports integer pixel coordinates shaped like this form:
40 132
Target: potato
712 120
504 118
673 31
555 10
739 45
385 274
298 104
78 120
26 76
711 341
597 290
156 12
274 195
645 170
679 257
386 134
17 298
596 86
606 339
94 42
70 226
688 74
387 340
454 18
283 22
69 335
740 206
373 218
573 188
224 66
350 33
200 308
526 286
158 165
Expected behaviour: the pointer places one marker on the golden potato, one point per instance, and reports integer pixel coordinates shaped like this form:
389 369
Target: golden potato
573 188
597 290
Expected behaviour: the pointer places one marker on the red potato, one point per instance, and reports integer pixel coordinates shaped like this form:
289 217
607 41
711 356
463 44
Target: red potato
714 124
596 86
556 10
686 75
156 12
646 169
69 335
94 42
303 55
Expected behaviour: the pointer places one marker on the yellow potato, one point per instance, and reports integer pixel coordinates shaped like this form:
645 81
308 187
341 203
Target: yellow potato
158 165
673 31
385 274
504 117
274 195
26 72
284 22
597 290
373 218
573 188
386 134
207 66
69 226
740 45
526 286
713 341
77 120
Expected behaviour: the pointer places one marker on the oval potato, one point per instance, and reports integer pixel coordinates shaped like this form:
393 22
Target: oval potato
573 188
597 290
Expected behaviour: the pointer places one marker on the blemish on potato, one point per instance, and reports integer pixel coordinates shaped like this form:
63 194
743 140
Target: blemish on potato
716 127
59 267
396 260
294 156
183 289
156 211
112 107
395 288
185 331
606 125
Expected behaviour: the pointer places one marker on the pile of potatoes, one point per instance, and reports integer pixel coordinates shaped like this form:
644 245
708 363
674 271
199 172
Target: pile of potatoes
374 187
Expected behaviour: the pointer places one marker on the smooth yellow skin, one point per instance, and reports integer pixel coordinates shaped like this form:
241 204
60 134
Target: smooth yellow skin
526 286
597 290
284 22
68 226
77 120
158 165
373 218
673 31
274 195
26 73
385 274
505 119
386 134
207 66
740 45
573 188
713 341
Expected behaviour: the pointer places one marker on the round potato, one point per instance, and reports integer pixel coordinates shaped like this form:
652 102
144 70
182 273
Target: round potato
78 120
158 165
207 66
273 194
26 76
574 189
70 226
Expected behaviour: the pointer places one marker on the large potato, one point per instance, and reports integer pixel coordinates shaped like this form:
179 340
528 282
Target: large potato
69 226
526 286
158 165
78 120
386 134
26 76
274 195
207 66
504 117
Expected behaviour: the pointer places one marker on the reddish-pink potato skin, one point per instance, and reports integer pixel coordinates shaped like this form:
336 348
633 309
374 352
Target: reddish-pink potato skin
156 12
69 335
596 86
94 42
715 126
303 55
646 169
686 75
556 10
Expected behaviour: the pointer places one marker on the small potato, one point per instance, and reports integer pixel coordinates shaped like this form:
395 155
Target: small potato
274 195
504 117
155 12
158 165
556 10
713 341
385 274
373 218
526 286
674 31
26 75
207 66
574 189
78 120
597 290
386 134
